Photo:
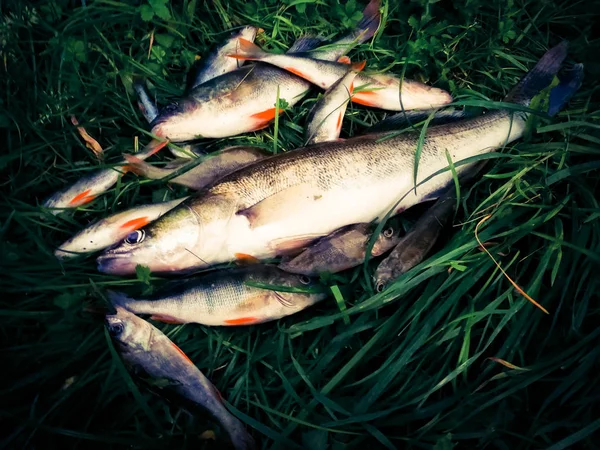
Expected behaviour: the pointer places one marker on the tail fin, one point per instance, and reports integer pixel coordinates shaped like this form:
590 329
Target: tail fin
570 82
305 44
118 299
540 76
145 104
248 51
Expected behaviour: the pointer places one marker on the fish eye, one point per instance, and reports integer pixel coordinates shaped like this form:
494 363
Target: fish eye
171 107
304 279
389 232
115 329
379 287
135 237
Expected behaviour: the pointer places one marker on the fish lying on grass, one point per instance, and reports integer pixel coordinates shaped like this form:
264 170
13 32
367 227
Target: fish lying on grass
217 63
212 167
88 187
223 297
244 100
288 200
377 90
152 356
113 229
343 249
324 121
149 110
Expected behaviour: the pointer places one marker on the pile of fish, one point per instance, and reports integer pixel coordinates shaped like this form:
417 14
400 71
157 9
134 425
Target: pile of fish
316 208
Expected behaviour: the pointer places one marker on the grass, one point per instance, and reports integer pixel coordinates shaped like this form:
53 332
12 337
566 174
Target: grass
409 367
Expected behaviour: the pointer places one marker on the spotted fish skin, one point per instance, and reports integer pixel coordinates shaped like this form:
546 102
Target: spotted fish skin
224 299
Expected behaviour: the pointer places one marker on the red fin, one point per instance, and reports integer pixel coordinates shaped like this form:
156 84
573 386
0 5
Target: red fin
247 50
352 87
165 319
364 98
82 199
241 321
246 259
358 66
182 354
264 118
344 60
296 72
339 121
155 146
134 224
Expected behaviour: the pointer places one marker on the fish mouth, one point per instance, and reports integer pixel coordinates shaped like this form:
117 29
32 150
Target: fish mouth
115 264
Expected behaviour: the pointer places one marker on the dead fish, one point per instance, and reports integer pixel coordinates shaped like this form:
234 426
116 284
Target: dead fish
211 168
148 353
223 298
324 121
288 200
89 187
377 90
343 249
113 229
217 63
242 100
149 110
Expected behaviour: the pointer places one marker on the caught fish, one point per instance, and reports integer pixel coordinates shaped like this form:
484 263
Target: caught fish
97 182
243 100
416 244
149 110
223 298
376 90
113 229
285 202
324 121
217 63
148 353
210 169
343 249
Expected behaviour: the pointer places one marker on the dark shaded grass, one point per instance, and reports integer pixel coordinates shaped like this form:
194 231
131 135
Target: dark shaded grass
405 368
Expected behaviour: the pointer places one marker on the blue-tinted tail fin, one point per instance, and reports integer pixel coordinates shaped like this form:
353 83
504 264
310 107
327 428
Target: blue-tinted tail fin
570 82
305 43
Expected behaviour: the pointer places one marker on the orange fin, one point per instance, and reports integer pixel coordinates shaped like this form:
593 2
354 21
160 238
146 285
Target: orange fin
264 118
297 72
352 87
358 66
242 321
243 258
344 60
166 319
82 199
154 147
339 121
134 224
365 98
181 353
247 51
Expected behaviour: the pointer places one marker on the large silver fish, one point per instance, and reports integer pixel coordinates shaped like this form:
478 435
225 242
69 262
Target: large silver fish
224 298
286 201
149 353
244 100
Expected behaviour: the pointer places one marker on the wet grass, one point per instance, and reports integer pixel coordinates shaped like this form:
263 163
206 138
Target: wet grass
409 367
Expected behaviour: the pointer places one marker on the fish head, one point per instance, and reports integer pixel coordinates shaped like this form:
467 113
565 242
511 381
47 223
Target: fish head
314 290
130 333
162 246
388 237
178 121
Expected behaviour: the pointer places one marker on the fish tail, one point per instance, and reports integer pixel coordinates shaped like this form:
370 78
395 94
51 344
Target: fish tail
570 82
248 51
540 76
118 299
147 107
369 24
136 165
305 43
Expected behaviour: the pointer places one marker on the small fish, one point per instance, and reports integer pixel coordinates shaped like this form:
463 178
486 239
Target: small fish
286 201
113 229
152 356
97 182
149 110
217 63
416 244
324 121
243 100
223 298
343 249
377 90
211 168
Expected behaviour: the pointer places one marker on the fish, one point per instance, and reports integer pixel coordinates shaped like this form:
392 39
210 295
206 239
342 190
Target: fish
286 201
324 121
382 91
343 249
150 355
223 298
113 229
149 110
90 186
243 100
200 174
217 63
